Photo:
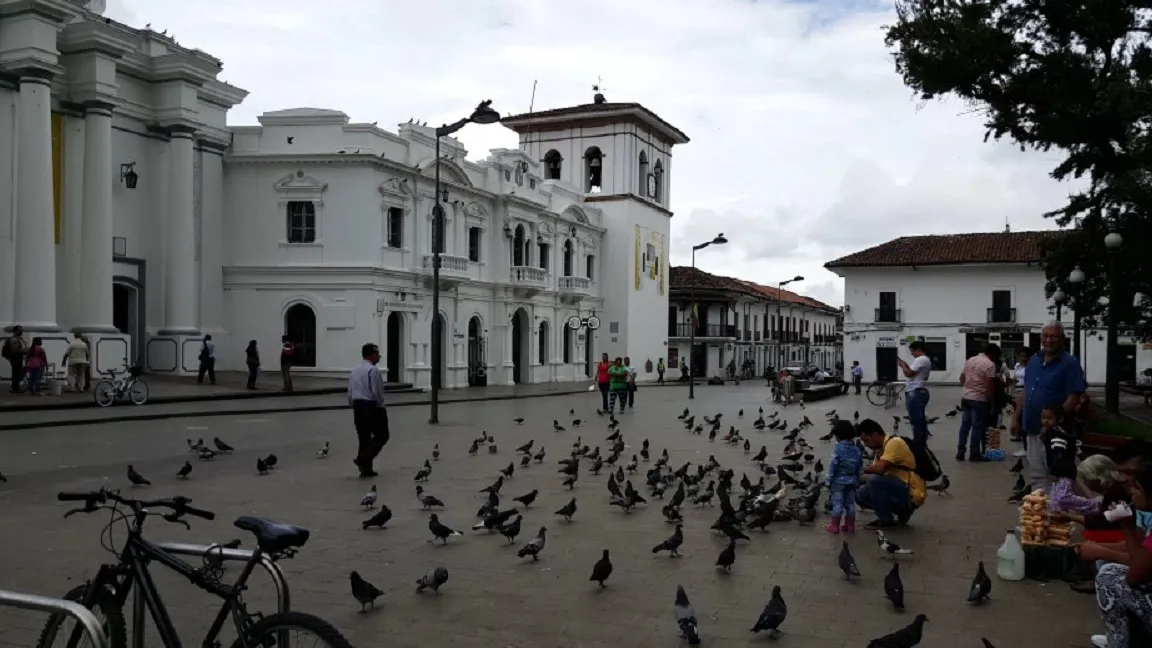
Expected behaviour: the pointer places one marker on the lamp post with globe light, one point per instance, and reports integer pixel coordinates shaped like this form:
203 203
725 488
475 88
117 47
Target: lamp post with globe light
1075 278
482 115
1058 298
692 318
1112 242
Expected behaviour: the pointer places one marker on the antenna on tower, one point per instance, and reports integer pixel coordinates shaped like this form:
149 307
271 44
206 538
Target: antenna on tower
599 90
1007 225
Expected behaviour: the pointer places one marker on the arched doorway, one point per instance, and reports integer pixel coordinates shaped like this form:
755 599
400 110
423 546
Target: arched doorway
300 327
128 316
521 335
440 329
394 343
477 369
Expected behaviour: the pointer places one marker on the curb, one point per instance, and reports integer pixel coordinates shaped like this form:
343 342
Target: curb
196 398
268 410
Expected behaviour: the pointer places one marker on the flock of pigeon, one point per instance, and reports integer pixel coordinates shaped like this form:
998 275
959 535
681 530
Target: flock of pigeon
794 497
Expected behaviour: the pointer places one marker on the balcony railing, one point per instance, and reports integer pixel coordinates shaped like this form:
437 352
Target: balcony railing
528 276
575 285
684 330
892 315
1001 315
450 266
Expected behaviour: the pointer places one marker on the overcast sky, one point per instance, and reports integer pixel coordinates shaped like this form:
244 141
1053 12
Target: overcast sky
805 143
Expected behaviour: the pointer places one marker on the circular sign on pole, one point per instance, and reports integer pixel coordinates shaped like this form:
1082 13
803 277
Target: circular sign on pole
574 322
593 322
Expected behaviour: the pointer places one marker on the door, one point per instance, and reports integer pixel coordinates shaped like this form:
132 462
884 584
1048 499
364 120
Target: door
886 367
300 327
394 343
699 361
1126 362
517 346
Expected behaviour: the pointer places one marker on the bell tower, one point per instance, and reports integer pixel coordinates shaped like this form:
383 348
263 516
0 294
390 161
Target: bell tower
619 156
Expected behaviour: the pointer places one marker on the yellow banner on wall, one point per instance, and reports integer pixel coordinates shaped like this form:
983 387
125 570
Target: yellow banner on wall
637 258
57 172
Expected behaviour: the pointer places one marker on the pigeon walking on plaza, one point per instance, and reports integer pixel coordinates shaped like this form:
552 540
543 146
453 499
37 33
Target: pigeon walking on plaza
185 470
369 499
439 531
136 478
686 617
433 580
894 587
534 546
847 562
601 570
379 519
773 615
981 585
906 637
364 592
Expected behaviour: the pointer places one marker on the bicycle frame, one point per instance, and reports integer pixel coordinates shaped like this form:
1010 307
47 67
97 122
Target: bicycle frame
132 570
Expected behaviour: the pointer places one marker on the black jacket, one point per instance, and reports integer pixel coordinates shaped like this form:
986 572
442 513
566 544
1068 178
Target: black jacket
1060 449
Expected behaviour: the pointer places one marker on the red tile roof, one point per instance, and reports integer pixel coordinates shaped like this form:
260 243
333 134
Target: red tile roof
952 249
523 121
689 278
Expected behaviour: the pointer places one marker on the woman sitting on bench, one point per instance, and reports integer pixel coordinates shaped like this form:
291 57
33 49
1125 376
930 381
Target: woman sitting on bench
1124 592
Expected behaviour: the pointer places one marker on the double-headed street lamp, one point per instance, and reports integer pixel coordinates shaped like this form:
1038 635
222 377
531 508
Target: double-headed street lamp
482 115
780 322
1075 278
692 318
1112 242
1058 297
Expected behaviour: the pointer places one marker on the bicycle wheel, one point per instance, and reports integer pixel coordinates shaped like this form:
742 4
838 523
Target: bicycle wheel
138 393
877 394
267 631
104 393
58 630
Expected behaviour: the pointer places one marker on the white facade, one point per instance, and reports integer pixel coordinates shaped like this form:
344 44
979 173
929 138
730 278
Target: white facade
86 106
951 308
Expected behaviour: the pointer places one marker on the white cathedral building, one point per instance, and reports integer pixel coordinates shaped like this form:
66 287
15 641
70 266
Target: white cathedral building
131 212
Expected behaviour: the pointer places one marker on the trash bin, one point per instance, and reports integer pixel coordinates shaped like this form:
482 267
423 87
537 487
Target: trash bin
55 386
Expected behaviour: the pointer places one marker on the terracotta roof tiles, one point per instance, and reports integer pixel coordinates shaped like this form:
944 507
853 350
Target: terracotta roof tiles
951 249
688 278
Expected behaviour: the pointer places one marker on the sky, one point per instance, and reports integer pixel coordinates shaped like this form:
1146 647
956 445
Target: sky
806 145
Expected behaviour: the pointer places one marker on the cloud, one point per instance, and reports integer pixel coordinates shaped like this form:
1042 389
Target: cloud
805 144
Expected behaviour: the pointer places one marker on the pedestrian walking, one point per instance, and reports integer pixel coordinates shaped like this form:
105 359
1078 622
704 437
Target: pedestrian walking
369 411
857 375
252 359
631 383
287 355
660 371
602 380
207 360
13 351
77 360
35 362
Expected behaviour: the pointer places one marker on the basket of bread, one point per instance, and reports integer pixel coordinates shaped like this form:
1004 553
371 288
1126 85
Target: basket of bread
1034 523
1048 553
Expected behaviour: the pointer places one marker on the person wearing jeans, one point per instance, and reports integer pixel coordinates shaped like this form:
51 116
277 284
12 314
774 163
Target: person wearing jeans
34 364
602 380
893 489
978 382
916 394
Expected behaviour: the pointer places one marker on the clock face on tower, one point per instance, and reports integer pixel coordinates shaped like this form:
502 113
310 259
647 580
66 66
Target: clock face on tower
651 185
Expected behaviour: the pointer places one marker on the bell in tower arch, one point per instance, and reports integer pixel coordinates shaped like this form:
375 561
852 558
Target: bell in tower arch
594 161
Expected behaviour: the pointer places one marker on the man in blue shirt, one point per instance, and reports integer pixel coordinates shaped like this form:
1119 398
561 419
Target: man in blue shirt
1052 376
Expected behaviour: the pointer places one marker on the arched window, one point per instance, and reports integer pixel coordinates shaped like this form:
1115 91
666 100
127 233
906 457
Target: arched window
543 342
658 172
642 188
569 253
593 169
518 242
553 162
567 345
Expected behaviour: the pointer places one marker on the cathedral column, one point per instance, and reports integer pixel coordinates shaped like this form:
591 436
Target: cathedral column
96 242
35 206
180 312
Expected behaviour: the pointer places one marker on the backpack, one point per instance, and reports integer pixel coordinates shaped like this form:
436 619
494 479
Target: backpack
927 465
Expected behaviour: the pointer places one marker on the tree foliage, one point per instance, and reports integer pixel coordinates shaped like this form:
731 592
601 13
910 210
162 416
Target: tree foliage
1073 76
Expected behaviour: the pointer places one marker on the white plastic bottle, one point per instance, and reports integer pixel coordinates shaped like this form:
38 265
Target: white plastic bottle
1010 558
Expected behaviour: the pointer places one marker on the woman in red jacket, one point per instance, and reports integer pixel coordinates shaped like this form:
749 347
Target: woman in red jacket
602 379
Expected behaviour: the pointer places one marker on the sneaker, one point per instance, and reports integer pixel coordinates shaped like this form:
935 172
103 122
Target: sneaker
879 524
959 455
976 458
1099 641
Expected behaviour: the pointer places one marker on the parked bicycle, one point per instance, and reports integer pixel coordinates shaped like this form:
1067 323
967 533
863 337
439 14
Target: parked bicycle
108 592
125 383
886 394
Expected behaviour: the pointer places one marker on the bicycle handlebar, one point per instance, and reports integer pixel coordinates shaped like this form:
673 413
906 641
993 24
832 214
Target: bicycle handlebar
178 505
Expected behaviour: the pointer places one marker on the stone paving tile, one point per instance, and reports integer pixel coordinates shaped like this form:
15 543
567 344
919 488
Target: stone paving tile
493 598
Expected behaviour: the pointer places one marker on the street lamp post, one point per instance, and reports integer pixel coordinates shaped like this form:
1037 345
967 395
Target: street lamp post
719 240
780 322
1075 278
1112 242
482 115
1059 298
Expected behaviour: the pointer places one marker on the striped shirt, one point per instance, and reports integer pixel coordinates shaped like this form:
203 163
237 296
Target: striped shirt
366 384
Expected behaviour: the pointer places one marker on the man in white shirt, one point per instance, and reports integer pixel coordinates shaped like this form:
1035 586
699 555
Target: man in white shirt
916 394
76 359
631 399
369 413
207 360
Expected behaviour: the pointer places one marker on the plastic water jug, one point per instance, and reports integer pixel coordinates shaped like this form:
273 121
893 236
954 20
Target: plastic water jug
1010 558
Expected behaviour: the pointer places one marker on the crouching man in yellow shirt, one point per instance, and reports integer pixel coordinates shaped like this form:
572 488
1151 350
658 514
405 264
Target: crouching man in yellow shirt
892 488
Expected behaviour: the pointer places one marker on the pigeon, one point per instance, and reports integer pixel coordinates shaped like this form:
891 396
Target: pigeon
184 470
686 617
577 422
434 579
1019 485
206 454
906 637
271 461
1017 467
556 427
439 531
512 529
987 644
568 510
261 466
494 521
894 587
322 453
534 546
494 489
221 446
847 562
981 585
527 498
424 472
509 471
3 478
369 499
427 500
888 547
942 487
136 478
728 556
539 456
492 449
518 420
379 519
526 448
672 544
950 414
601 570
435 452
525 460
364 592
474 448
773 615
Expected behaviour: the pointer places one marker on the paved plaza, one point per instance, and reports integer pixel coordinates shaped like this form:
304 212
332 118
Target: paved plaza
494 599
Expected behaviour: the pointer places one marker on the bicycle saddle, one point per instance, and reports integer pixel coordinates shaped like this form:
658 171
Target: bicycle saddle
272 537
